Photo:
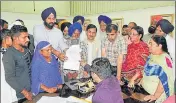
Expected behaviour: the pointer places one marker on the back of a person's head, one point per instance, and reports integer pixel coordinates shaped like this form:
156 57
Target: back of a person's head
17 29
91 26
102 67
4 34
111 27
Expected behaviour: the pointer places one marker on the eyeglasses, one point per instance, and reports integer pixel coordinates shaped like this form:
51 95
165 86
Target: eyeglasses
133 34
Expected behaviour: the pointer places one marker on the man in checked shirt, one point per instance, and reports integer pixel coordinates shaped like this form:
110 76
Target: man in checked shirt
114 47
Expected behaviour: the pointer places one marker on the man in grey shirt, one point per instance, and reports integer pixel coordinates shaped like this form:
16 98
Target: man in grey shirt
16 62
47 32
31 38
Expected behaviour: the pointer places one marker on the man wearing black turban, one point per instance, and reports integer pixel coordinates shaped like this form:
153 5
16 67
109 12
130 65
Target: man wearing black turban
164 27
103 21
47 32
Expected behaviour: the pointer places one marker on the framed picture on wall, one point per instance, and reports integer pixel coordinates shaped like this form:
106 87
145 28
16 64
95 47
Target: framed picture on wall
169 17
59 22
119 22
86 23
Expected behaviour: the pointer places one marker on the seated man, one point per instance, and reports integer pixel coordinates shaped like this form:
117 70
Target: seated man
108 88
45 70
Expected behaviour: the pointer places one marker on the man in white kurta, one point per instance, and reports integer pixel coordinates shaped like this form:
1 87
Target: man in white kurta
47 32
92 46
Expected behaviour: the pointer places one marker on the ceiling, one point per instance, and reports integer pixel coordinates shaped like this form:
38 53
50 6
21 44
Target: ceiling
71 8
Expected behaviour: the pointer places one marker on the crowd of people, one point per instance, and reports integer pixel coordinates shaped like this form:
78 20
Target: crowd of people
33 63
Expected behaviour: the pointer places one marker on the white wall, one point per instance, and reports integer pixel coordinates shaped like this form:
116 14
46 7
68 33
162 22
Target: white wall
140 16
29 19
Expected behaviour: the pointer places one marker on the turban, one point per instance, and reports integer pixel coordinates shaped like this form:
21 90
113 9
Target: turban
65 24
73 27
165 25
47 12
76 18
14 23
105 19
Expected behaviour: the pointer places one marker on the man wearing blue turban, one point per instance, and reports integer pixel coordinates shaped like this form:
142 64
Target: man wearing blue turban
47 32
103 22
80 19
74 32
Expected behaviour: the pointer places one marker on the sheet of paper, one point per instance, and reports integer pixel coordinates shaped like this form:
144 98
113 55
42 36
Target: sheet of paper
73 54
58 99
89 98
46 99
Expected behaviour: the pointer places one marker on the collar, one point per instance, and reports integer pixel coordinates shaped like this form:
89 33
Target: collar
3 50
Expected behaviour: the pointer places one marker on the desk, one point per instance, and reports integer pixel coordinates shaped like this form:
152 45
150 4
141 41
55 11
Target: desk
127 99
39 96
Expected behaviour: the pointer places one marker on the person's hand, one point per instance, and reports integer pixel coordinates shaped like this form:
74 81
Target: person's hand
27 95
52 90
83 63
150 98
131 83
85 73
121 83
69 76
62 57
59 86
118 78
140 83
75 75
140 66
144 56
65 50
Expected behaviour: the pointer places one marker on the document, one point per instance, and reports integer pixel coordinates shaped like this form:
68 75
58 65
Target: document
46 99
58 99
74 57
89 98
